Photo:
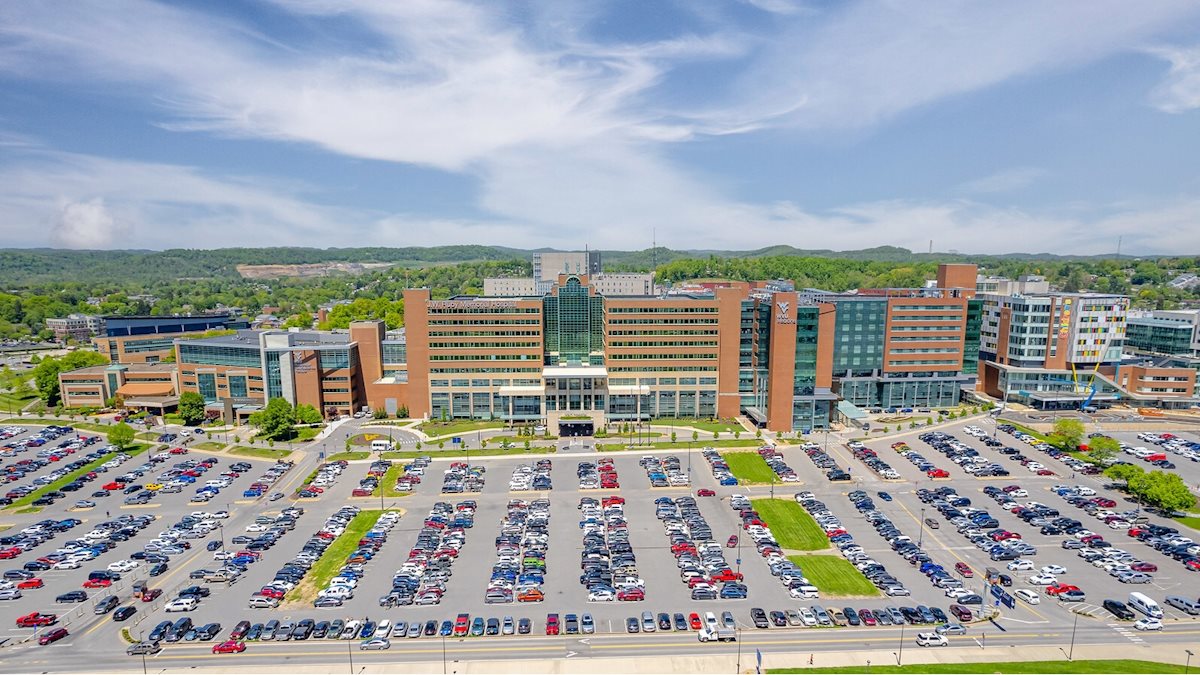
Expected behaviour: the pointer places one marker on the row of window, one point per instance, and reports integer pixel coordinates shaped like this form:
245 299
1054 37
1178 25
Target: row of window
485 333
485 322
663 343
662 310
482 370
697 321
484 310
661 357
930 317
928 362
925 350
672 333
525 344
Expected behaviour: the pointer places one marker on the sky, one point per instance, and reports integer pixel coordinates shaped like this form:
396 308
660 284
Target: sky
1067 127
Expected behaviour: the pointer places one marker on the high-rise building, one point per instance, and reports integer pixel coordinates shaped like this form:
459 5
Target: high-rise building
1066 350
1164 332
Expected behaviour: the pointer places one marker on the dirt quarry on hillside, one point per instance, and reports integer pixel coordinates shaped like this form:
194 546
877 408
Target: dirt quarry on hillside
305 270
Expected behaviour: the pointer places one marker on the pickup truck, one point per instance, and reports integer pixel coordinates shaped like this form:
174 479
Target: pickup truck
708 634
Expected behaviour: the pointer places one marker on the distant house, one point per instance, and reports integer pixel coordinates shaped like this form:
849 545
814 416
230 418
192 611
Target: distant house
1184 281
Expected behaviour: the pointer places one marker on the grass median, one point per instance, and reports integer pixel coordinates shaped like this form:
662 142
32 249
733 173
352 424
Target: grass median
331 561
48 421
348 456
132 451
207 445
261 453
435 453
749 467
388 482
1078 666
684 444
835 577
793 528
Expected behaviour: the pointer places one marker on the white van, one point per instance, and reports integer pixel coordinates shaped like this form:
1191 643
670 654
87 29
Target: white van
1142 603
381 446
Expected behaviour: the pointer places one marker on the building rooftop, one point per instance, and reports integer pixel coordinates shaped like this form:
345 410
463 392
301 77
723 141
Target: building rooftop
133 368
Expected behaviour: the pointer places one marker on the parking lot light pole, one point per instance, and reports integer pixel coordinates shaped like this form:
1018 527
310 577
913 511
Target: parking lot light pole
1188 663
350 653
921 537
1074 625
900 654
443 655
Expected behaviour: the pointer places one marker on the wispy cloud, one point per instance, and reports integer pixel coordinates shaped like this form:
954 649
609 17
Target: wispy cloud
1006 180
1180 89
567 135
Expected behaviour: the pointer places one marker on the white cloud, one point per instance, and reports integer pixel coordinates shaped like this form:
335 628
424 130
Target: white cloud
86 225
565 135
1180 89
1006 180
775 6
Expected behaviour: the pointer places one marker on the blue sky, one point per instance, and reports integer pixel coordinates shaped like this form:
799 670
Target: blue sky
984 126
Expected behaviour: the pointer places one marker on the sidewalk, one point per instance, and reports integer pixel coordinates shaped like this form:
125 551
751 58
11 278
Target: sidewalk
729 663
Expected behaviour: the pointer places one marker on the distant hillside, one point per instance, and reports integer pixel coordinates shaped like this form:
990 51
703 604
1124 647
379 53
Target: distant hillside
25 267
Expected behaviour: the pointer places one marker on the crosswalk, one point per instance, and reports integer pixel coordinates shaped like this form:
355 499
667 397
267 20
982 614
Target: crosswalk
1127 633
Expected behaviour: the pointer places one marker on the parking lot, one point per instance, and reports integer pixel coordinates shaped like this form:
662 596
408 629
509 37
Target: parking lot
569 542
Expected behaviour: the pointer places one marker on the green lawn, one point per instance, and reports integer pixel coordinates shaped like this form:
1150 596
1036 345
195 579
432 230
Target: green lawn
83 426
12 403
434 429
749 467
348 456
684 444
1191 521
703 425
835 577
261 453
793 528
334 557
132 451
208 445
1112 666
388 482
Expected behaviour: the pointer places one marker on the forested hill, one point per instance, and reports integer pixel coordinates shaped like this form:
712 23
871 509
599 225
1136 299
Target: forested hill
25 267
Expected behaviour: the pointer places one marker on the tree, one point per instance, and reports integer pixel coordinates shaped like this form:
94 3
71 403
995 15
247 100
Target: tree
1069 432
121 435
191 407
527 444
1103 448
402 413
379 414
673 436
1123 472
695 436
307 414
1168 492
112 402
276 419
737 433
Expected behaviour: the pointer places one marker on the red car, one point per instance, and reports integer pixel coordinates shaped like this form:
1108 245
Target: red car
694 621
630 595
31 583
9 553
938 473
727 575
179 451
1056 589
705 492
229 647
462 624
965 570
551 624
732 541
52 636
113 486
359 492
1136 567
97 583
150 594
34 619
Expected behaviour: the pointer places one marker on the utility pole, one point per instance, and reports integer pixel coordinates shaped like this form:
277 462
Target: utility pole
350 653
1074 625
900 654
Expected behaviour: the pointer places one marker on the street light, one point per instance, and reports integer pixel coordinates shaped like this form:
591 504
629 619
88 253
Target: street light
921 537
1187 664
1075 624
900 655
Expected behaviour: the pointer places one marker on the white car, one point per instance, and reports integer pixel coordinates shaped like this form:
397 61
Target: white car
1054 569
932 640
1148 624
1043 579
1020 565
1028 596
122 566
182 605
601 596
67 564
957 592
223 555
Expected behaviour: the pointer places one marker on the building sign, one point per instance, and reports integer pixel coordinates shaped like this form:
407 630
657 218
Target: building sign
781 315
1064 323
471 304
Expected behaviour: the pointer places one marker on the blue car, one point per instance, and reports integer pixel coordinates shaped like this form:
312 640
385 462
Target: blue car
729 481
885 496
447 628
